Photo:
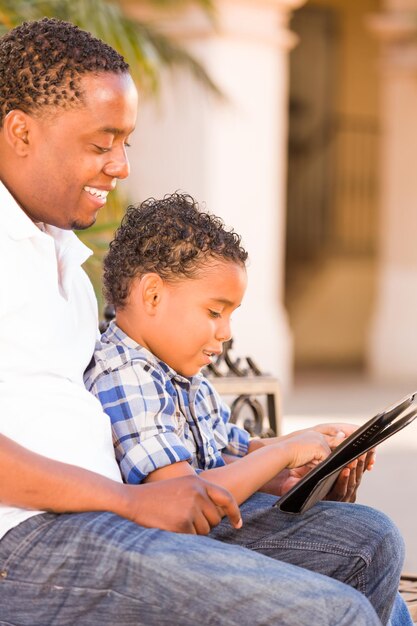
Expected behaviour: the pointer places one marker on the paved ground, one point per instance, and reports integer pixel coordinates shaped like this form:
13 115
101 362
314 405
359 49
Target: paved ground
392 485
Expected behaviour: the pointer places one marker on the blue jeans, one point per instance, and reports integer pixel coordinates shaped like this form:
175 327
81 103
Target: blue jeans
96 569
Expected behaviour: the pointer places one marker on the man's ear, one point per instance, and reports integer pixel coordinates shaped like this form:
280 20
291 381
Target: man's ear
151 288
16 129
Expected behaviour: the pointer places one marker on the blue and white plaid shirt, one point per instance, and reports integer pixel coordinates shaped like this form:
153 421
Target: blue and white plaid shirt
158 417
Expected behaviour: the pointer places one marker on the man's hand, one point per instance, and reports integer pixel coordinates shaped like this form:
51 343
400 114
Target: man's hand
184 505
343 490
346 486
285 480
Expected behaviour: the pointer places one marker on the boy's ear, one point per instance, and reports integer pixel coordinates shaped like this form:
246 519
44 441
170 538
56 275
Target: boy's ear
151 289
16 129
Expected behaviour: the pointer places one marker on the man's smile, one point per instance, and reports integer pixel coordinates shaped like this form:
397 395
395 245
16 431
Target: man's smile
98 193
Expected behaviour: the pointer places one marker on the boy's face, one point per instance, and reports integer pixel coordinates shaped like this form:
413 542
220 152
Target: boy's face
74 157
193 318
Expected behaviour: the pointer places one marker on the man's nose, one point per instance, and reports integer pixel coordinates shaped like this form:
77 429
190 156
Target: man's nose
118 166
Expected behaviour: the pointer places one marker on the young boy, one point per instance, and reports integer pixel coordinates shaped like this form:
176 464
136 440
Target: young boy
175 275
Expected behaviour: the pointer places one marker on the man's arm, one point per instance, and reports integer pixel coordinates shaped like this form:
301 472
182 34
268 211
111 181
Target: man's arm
187 505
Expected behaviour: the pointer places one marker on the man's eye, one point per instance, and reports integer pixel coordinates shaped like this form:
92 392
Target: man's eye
101 149
214 313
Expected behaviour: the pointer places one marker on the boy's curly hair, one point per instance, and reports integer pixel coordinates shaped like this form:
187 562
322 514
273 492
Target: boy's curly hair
170 237
41 64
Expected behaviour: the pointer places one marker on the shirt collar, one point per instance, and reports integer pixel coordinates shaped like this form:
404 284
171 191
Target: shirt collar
116 335
19 226
68 246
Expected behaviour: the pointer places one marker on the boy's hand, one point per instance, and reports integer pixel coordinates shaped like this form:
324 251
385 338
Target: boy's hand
184 505
348 481
306 448
336 433
344 489
303 450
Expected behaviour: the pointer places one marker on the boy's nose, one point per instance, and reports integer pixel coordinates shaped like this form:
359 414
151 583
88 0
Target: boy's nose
224 332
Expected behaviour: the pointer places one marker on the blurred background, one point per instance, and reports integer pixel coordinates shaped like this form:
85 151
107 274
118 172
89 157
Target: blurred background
296 122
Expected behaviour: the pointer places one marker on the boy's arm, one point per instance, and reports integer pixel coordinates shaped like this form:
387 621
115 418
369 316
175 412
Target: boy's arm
143 419
347 483
249 473
187 505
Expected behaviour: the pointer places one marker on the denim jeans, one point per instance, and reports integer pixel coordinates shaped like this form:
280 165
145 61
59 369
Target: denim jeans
97 569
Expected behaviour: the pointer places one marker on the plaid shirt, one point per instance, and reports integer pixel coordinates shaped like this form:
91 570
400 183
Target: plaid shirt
158 417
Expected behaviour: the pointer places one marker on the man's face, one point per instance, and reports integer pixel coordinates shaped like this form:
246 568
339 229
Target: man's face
77 155
194 317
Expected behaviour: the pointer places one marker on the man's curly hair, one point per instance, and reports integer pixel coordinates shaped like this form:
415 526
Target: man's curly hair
42 62
171 237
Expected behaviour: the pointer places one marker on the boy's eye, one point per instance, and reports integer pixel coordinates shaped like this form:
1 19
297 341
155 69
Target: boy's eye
214 313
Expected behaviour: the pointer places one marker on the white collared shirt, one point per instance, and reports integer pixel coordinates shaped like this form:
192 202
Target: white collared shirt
48 327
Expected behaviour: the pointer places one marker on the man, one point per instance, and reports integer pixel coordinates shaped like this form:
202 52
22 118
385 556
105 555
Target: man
77 545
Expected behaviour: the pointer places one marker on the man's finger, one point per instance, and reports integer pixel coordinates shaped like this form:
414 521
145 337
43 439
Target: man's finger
370 459
338 491
212 513
360 468
201 524
352 486
226 502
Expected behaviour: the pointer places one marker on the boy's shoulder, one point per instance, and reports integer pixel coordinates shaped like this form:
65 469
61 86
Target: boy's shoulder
208 395
115 351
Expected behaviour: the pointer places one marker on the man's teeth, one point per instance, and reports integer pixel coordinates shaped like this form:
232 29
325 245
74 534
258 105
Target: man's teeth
99 193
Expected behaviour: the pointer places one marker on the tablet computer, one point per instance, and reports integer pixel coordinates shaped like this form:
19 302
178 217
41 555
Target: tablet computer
315 485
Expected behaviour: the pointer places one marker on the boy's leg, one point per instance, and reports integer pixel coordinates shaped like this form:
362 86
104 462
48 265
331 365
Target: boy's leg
89 569
348 542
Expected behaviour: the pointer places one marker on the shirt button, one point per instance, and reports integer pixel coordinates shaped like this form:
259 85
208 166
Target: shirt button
210 449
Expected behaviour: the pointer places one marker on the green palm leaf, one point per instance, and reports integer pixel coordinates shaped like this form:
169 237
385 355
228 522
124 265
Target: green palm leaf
145 48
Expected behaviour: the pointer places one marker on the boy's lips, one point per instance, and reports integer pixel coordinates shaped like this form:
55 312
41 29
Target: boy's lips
211 354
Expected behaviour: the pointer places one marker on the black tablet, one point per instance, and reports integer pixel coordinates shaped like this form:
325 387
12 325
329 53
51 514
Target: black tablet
316 484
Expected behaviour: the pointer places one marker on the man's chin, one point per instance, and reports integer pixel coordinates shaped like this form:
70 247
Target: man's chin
78 225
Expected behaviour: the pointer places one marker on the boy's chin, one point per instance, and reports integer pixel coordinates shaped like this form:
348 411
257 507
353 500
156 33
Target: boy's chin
190 372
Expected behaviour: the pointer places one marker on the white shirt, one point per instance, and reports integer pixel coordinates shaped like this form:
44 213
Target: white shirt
48 328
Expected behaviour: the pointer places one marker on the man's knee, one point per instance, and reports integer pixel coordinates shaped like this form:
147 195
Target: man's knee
388 542
350 607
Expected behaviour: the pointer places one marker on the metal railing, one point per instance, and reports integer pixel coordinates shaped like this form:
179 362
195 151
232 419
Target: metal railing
333 189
